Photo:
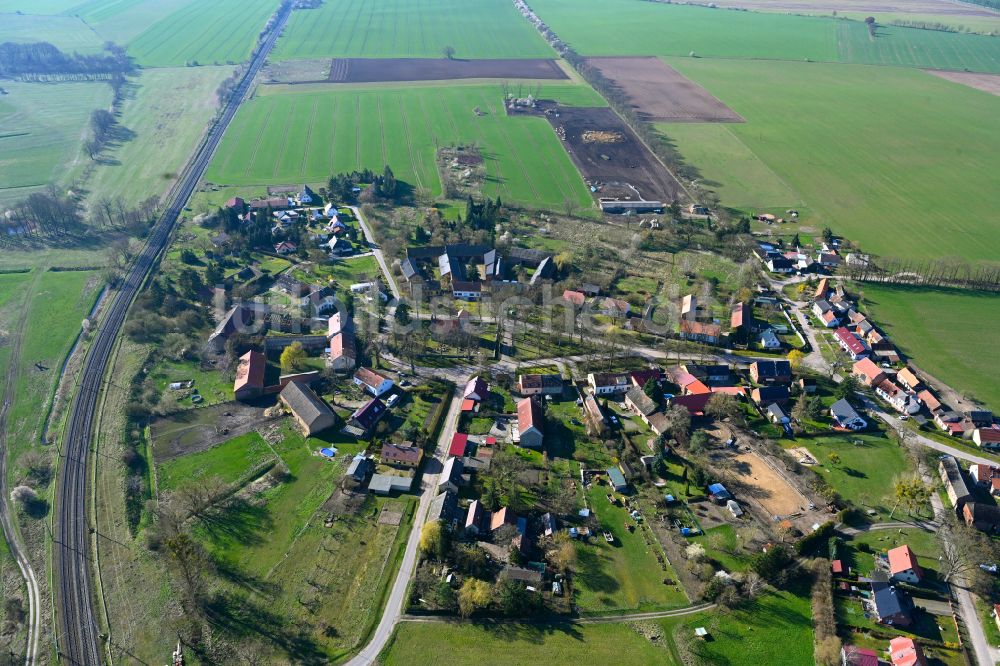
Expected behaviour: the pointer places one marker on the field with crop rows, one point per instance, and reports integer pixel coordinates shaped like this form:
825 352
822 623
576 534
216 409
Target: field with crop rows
944 332
121 21
895 159
307 137
410 28
42 128
208 33
65 32
630 27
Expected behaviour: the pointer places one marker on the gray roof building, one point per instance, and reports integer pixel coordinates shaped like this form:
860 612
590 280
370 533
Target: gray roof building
309 411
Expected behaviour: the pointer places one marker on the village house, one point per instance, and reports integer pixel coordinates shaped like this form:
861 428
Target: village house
850 343
615 308
285 248
767 395
386 484
249 318
577 298
640 377
604 383
694 403
888 604
476 389
902 401
342 354
868 372
530 423
594 416
771 372
822 288
908 378
903 565
768 339
987 438
359 469
249 382
450 477
780 265
696 331
904 652
714 374
372 381
502 516
444 507
982 516
647 409
741 318
689 307
475 518
534 384
777 416
846 416
399 455
980 418
366 416
929 400
311 413
954 482
852 655
459 445
952 422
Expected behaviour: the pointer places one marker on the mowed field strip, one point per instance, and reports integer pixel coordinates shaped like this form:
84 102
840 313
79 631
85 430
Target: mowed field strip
900 161
631 27
410 28
306 137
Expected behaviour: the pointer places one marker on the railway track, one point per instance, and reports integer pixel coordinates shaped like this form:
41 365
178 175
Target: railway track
78 633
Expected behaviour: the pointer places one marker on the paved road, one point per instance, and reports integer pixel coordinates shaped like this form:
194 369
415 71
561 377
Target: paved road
377 251
10 533
397 596
77 627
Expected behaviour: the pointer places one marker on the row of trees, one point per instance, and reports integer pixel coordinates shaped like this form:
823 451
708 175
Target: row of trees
943 272
43 59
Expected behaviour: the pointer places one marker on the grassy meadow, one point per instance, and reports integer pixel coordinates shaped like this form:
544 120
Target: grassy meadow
410 28
628 27
206 33
165 115
68 33
944 332
288 138
889 158
42 128
230 461
729 167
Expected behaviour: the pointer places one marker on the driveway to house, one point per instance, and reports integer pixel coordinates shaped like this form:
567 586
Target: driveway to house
376 250
396 602
814 359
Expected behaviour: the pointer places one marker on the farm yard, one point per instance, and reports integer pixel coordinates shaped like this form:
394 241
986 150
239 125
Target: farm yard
42 129
410 28
659 93
306 137
869 149
951 348
625 27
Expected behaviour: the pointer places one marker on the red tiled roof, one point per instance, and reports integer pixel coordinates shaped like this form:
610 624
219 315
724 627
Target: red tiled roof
905 652
929 400
731 390
529 414
739 316
700 328
369 377
469 405
458 443
574 297
250 372
397 453
902 559
850 340
695 402
991 435
640 377
697 387
869 370
837 566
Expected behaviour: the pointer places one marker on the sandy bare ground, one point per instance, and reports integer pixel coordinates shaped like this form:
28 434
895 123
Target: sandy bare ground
660 93
778 497
986 82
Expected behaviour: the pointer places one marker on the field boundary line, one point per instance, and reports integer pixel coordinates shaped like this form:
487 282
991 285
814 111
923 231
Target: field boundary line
794 191
256 145
409 144
305 151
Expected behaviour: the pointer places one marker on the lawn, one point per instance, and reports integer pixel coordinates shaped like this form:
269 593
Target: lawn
870 149
950 348
212 385
43 126
628 27
205 33
924 544
410 28
729 167
307 136
416 643
625 575
231 461
165 115
864 473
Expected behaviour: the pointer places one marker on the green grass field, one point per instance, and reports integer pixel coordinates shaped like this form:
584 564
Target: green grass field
307 137
623 576
890 158
231 461
43 128
204 32
943 332
68 33
410 28
629 27
168 111
865 473
729 167
121 21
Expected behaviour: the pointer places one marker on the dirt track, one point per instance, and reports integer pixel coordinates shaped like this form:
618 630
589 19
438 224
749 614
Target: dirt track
612 167
660 93
375 70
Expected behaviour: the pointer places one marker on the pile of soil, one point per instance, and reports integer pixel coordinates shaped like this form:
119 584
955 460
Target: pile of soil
602 136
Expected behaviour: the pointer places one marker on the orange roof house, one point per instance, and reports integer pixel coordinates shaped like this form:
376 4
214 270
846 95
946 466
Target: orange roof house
249 382
903 565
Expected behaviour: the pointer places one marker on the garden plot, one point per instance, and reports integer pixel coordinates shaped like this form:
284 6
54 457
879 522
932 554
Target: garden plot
774 493
660 93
